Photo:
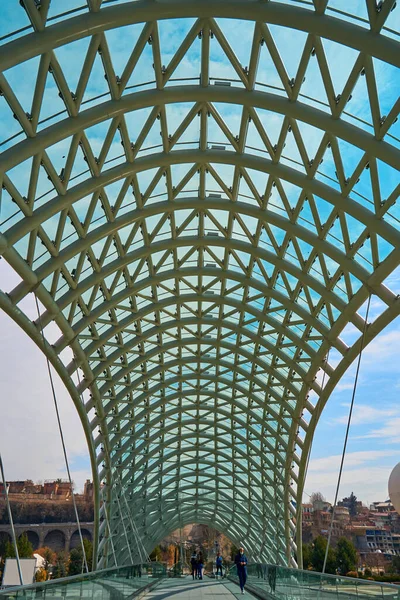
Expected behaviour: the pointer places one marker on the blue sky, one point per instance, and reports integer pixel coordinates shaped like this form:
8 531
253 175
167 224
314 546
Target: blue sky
373 447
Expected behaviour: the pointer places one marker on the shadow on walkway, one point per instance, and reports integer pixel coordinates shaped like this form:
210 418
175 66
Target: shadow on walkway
185 589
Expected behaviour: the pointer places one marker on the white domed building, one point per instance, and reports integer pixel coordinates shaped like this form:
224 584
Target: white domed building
394 487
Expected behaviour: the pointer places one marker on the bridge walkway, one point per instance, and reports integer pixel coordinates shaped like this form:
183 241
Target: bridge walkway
187 589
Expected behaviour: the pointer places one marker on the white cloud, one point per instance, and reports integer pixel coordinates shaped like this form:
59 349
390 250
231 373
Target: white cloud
390 432
366 473
344 385
29 438
331 464
381 351
365 414
368 483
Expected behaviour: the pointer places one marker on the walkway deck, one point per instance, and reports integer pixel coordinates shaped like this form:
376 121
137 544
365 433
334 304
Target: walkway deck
187 589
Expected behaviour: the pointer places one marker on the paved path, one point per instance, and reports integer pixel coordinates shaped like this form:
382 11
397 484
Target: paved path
187 589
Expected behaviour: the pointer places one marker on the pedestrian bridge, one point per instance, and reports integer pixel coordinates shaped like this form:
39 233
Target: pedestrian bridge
151 581
200 224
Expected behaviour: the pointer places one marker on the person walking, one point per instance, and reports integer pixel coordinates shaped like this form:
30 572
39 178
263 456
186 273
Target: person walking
218 564
200 565
241 565
193 563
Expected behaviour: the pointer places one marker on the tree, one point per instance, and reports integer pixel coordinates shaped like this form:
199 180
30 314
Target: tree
76 565
76 562
49 556
346 556
352 505
61 565
307 550
3 546
395 566
234 551
41 575
318 556
87 544
156 554
25 548
317 497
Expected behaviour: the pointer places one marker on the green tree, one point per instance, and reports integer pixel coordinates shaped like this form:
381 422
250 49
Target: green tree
395 566
25 548
352 505
76 563
307 550
234 551
60 568
318 555
3 546
346 556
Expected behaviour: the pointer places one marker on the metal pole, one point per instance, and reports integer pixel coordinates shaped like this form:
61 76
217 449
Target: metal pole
14 537
346 437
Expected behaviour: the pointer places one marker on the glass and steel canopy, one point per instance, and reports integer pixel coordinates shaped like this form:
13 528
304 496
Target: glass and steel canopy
202 196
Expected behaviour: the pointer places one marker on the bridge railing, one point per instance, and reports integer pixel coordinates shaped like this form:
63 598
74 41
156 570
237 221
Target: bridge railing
272 581
109 584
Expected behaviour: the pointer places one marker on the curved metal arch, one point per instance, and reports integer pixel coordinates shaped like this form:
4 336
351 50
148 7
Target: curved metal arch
373 329
156 351
249 519
233 524
135 342
111 268
258 314
241 498
246 517
210 450
34 223
232 244
78 27
203 435
106 306
294 365
203 157
112 109
231 402
222 524
179 362
225 497
128 427
188 462
186 322
232 529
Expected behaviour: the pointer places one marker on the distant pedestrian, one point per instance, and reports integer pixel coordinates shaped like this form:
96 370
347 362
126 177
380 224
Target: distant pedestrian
193 563
218 563
200 565
241 565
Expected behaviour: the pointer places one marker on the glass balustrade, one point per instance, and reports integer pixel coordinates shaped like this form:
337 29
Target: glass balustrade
271 581
109 584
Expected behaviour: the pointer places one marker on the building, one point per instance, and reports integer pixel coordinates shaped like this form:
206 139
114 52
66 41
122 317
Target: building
51 490
342 514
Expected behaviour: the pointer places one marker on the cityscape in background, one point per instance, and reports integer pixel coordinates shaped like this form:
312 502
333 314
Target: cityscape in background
44 513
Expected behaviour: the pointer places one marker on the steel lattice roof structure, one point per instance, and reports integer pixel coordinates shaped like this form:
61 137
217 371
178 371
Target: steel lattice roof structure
202 196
